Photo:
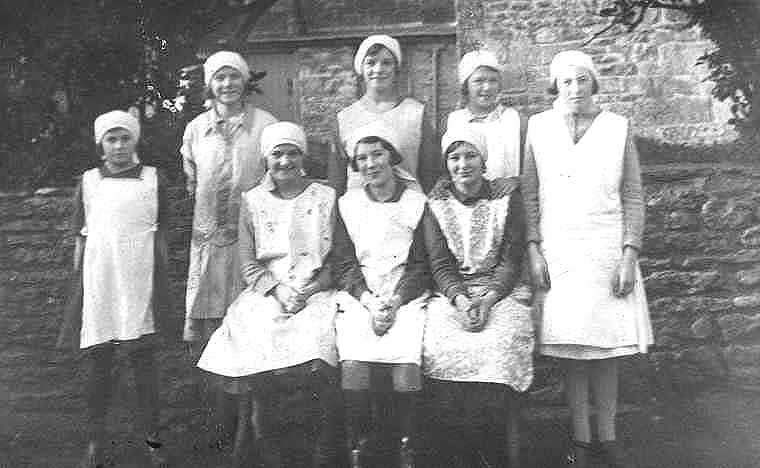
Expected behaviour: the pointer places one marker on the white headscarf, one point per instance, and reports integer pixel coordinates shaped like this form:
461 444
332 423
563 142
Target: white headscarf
376 128
468 134
280 133
471 61
384 40
572 58
225 58
116 119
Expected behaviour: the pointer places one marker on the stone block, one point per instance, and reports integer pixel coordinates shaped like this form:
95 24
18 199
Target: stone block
681 220
742 355
705 327
751 300
751 237
679 58
708 360
677 283
749 277
664 111
737 325
719 214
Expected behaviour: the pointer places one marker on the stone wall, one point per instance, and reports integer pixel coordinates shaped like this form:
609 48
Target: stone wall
648 76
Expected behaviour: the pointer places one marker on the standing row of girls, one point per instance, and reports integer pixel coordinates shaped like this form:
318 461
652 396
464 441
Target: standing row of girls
389 279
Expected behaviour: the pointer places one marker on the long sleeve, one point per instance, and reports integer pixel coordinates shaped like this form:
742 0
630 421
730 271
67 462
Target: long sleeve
188 159
345 267
443 264
430 165
505 274
77 220
325 277
416 277
337 165
529 184
255 274
631 195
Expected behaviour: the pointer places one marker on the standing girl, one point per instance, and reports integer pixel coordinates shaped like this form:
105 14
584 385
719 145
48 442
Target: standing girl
378 64
480 79
120 222
585 217
221 159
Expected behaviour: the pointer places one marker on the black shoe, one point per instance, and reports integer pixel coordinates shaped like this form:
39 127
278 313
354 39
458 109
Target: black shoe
579 455
615 455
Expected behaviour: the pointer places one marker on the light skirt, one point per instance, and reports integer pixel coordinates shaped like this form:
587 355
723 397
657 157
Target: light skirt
256 336
402 344
500 353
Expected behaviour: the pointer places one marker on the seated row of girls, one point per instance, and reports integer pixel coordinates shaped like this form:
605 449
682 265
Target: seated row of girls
369 281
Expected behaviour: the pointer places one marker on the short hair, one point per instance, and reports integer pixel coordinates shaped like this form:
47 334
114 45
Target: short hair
370 140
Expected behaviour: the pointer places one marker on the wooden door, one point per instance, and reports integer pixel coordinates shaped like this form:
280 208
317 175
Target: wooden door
279 94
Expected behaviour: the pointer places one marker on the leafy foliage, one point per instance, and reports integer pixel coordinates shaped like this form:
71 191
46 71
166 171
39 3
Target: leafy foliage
74 59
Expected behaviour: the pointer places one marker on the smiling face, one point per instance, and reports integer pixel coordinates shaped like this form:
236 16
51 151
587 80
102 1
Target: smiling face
379 69
483 88
227 85
575 86
118 147
465 165
373 161
285 162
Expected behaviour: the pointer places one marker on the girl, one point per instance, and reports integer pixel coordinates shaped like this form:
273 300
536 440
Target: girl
478 348
480 79
221 159
585 217
384 276
280 331
378 64
120 256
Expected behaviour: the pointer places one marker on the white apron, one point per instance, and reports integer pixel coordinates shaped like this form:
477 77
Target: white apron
293 238
503 351
405 118
502 131
582 231
120 225
382 234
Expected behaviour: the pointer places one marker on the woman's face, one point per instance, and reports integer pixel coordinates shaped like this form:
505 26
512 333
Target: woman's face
379 69
465 165
374 163
227 85
483 88
575 85
285 162
118 147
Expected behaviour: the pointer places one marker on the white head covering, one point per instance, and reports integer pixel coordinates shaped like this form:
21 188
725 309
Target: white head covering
225 58
477 58
468 134
378 129
384 40
574 58
116 119
280 133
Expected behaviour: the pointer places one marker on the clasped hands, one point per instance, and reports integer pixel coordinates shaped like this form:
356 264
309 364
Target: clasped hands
473 311
293 299
382 310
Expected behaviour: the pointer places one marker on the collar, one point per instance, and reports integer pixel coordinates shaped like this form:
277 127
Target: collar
131 173
485 193
212 119
492 116
400 187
